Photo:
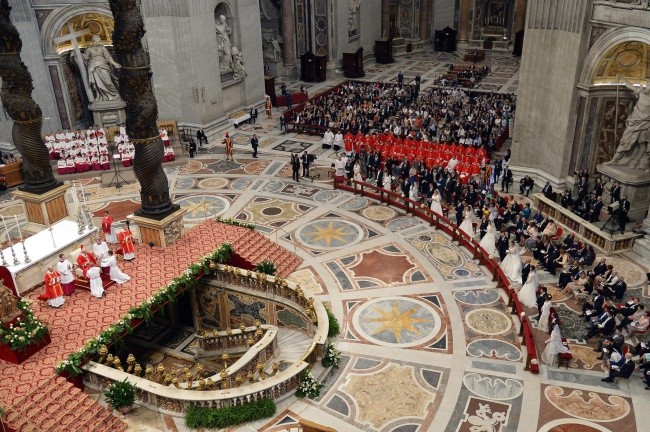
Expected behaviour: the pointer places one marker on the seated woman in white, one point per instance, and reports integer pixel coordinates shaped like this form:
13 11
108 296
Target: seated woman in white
116 274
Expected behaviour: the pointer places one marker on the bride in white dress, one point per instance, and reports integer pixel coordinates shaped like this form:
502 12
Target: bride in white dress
528 292
511 264
489 240
468 220
436 207
554 346
542 324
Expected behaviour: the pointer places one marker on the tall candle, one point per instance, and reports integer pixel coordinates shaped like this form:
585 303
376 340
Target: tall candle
6 230
83 194
18 225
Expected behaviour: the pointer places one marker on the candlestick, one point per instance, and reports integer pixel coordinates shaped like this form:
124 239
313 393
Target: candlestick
52 235
4 261
27 260
83 194
20 233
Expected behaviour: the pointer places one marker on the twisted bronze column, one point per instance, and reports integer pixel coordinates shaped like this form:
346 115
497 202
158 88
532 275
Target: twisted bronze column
135 83
16 95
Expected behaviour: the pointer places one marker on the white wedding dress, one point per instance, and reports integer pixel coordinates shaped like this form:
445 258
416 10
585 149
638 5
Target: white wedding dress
528 292
511 264
554 347
489 240
466 225
542 324
436 207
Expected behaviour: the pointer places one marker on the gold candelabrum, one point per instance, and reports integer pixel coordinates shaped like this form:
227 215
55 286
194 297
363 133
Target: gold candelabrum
224 379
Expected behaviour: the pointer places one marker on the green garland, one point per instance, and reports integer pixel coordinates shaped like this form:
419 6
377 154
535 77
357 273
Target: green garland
199 417
334 327
25 332
235 222
145 311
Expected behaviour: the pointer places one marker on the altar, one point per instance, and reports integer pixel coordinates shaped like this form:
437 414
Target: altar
43 249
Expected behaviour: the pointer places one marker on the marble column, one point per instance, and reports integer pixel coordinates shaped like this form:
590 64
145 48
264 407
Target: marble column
520 15
425 14
385 18
288 31
463 25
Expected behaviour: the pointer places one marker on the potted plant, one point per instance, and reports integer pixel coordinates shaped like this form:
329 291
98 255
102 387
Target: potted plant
121 395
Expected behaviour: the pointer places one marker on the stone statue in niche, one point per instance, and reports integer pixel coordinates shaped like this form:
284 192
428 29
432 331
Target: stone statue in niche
353 17
223 41
8 305
271 46
634 148
238 64
99 67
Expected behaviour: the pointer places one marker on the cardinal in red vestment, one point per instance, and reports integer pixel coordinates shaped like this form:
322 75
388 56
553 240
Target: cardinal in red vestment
53 290
85 261
125 237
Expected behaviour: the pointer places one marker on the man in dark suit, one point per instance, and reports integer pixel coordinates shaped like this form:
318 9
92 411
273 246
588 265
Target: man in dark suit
547 190
599 269
192 148
541 299
595 307
507 179
460 207
502 245
623 209
484 226
253 114
625 371
254 143
606 327
615 192
525 271
400 79
295 167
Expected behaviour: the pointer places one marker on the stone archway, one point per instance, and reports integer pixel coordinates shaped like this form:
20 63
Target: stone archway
71 93
604 103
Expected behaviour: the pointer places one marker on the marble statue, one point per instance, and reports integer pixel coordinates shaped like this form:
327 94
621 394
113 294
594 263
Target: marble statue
223 41
238 63
99 66
634 148
277 51
353 16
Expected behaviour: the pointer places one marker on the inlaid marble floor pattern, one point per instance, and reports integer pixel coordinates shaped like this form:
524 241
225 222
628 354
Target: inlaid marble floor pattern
427 341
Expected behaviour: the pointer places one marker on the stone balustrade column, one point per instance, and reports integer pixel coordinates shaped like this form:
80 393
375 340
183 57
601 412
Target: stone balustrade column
425 14
463 25
288 32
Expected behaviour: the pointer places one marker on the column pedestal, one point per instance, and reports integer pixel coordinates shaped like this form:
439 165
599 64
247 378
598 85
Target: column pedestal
635 185
161 232
43 210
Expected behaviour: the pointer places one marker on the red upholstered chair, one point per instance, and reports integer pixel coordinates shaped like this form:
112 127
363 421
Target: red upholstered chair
558 234
564 358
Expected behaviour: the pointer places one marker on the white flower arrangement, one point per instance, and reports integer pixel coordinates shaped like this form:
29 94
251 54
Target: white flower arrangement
331 356
308 386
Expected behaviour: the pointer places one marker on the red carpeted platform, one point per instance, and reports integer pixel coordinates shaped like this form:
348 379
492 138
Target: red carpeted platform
83 317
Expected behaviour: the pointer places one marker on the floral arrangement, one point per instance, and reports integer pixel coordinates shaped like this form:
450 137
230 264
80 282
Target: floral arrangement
146 310
308 386
120 394
331 356
235 222
25 332
267 267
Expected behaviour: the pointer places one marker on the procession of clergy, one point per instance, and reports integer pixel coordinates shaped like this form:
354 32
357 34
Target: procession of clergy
78 152
60 279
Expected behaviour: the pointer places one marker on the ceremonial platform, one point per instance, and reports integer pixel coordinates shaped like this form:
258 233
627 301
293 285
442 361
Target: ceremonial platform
31 393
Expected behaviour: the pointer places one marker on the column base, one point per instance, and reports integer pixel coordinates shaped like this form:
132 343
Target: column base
163 232
45 209
642 247
634 184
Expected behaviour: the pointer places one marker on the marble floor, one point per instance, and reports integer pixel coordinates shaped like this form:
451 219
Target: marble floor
427 341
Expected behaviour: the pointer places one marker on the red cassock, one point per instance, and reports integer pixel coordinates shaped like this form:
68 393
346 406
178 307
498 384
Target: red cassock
107 222
53 287
126 241
85 261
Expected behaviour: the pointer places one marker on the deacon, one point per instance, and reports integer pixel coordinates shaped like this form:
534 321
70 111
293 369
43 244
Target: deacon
108 228
125 238
53 290
64 267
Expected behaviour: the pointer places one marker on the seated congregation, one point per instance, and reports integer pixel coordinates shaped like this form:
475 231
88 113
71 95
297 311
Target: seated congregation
82 151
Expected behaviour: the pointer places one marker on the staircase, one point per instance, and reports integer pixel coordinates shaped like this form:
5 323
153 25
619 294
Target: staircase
58 406
253 247
292 345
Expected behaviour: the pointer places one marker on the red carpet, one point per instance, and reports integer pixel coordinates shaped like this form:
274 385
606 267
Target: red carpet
83 317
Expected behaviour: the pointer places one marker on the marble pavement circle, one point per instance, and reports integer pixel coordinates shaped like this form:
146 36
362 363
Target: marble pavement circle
397 322
213 183
379 213
488 321
329 234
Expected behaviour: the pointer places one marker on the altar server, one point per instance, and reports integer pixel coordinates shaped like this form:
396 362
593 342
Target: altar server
115 273
64 267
